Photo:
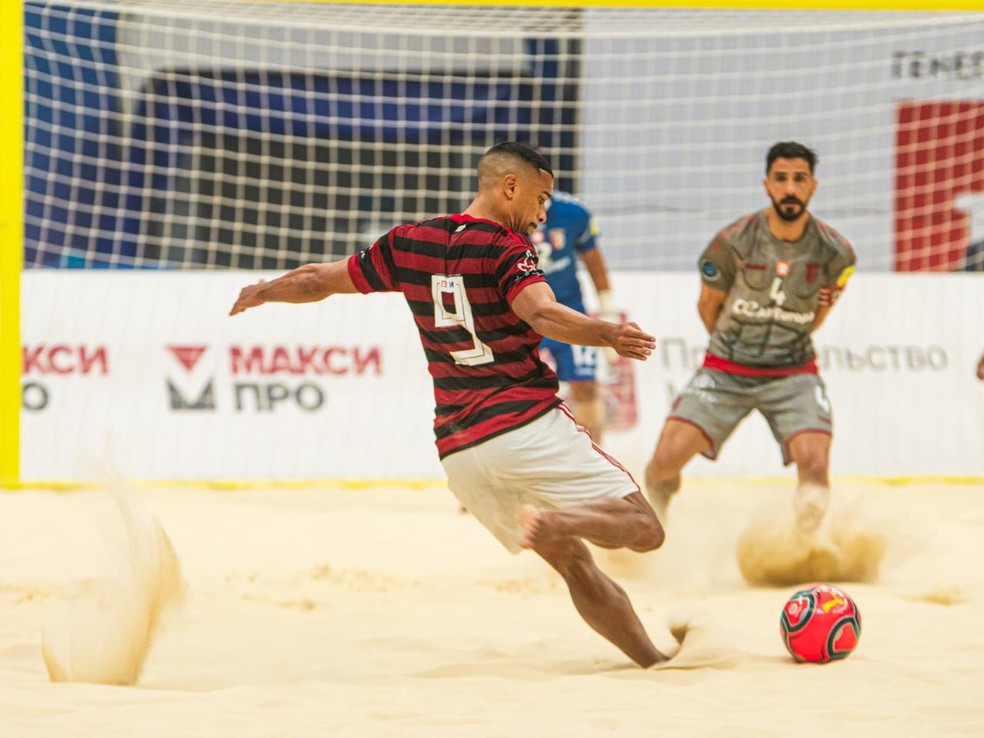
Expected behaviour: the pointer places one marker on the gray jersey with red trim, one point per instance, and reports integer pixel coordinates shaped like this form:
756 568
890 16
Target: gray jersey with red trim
773 289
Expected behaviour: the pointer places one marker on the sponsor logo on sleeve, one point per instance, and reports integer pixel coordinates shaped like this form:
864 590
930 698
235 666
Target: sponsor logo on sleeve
528 263
709 270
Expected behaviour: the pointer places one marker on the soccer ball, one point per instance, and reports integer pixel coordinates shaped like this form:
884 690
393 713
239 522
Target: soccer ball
820 624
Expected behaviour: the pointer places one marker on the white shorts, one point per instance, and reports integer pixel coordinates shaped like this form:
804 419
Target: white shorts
550 463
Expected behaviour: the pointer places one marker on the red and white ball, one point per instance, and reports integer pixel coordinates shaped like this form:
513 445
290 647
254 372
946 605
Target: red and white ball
820 624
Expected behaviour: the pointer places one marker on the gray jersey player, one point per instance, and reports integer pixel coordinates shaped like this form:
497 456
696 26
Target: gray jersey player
769 280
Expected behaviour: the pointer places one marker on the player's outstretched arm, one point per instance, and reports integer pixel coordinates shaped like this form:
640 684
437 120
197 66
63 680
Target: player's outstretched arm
537 305
980 368
309 283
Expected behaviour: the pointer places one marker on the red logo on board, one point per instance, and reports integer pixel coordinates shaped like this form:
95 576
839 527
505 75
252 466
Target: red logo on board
187 355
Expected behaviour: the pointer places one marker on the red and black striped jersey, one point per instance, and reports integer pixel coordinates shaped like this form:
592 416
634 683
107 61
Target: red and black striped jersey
459 275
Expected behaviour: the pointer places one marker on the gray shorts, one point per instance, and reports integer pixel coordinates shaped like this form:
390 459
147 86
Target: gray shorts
717 401
549 463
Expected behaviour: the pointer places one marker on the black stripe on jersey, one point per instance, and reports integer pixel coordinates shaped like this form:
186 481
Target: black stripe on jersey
369 270
386 247
445 336
419 307
509 357
442 336
491 381
489 412
517 278
436 356
505 333
493 309
451 384
418 277
463 251
422 278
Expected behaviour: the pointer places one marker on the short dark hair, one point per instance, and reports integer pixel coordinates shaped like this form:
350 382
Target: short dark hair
521 151
791 150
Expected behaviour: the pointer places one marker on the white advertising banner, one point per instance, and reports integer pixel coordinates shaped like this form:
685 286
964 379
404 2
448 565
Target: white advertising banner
183 391
144 375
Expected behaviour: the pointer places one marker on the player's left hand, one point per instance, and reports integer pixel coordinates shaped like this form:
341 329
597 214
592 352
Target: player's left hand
632 342
248 297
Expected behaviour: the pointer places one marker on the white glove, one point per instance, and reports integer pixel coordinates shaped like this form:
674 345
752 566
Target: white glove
606 307
608 311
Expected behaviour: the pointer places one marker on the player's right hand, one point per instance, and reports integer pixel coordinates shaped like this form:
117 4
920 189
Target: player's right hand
248 297
829 295
632 342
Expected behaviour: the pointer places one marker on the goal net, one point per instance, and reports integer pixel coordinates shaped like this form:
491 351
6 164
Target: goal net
193 134
171 144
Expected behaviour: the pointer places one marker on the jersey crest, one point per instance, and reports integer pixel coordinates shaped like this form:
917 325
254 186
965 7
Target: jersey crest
557 238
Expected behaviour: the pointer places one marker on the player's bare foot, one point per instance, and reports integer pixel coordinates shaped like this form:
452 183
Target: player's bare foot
532 521
659 497
810 506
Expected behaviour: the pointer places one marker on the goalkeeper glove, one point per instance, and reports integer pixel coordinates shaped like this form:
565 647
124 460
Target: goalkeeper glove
608 311
606 307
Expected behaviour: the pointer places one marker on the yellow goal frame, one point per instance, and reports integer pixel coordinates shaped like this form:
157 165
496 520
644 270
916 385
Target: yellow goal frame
11 234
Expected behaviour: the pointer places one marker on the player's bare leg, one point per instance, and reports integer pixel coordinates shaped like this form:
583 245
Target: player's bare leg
589 410
678 443
608 522
602 603
811 452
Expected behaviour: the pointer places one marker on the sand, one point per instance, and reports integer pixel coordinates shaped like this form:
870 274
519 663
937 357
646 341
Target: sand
384 612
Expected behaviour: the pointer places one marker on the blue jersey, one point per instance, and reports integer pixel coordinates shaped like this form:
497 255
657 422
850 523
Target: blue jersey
570 229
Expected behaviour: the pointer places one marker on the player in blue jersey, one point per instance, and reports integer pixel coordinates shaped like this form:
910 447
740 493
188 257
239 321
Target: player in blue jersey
569 232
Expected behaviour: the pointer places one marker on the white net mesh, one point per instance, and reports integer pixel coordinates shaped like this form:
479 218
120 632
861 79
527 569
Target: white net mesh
198 134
